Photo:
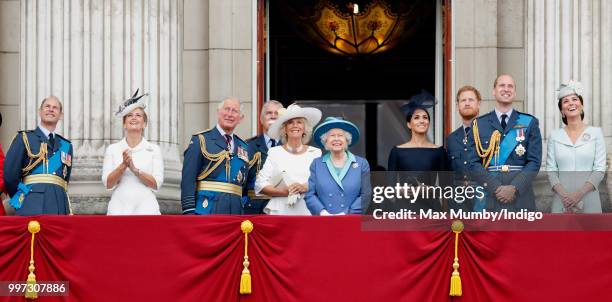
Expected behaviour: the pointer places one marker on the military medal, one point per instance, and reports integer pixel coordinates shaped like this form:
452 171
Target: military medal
239 177
355 165
520 150
66 158
243 154
65 171
520 137
520 134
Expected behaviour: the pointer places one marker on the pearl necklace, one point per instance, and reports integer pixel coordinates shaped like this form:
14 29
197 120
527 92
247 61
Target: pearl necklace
294 151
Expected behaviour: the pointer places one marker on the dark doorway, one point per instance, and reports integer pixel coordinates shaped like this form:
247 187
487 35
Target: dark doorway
365 89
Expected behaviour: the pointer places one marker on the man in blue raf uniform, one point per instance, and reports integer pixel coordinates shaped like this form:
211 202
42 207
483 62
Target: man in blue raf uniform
38 165
258 148
216 166
508 151
460 143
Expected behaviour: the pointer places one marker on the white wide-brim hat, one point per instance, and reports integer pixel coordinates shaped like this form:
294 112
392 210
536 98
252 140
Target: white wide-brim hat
312 115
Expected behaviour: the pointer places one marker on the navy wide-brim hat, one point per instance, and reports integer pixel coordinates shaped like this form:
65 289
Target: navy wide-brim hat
333 123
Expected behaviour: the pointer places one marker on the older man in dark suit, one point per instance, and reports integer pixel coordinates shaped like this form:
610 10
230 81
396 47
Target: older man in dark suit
258 148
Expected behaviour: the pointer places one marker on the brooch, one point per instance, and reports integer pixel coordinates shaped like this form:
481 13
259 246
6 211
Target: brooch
205 203
586 137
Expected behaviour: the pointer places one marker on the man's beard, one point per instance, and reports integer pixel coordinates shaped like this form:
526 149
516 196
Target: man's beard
469 116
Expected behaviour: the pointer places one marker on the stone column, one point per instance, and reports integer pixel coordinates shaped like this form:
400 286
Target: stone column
217 60
569 40
92 54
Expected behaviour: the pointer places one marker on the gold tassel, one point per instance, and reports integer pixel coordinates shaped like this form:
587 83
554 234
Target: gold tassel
455 286
245 278
31 293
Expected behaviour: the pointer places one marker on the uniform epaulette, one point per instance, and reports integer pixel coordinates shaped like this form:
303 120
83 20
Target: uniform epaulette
238 138
525 113
63 138
202 131
486 114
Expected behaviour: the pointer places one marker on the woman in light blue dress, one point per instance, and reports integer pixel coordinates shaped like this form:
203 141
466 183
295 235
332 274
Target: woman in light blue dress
576 159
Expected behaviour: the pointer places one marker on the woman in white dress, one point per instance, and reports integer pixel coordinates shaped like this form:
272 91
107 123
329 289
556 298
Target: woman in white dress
285 174
133 167
576 159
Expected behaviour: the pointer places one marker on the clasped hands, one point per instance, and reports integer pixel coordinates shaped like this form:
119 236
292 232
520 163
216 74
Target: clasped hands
505 194
128 162
571 201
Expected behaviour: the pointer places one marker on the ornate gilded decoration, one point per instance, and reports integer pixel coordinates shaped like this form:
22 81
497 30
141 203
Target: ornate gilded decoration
349 29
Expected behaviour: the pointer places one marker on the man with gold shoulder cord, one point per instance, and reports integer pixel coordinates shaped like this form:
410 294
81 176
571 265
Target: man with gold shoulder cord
507 151
216 166
38 166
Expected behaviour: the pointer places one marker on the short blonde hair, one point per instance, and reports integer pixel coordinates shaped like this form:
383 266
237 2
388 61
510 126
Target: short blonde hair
307 131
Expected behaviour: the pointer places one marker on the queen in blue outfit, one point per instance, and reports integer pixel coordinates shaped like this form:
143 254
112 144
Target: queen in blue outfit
339 180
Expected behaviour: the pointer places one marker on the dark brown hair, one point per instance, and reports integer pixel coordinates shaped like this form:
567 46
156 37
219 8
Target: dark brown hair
563 118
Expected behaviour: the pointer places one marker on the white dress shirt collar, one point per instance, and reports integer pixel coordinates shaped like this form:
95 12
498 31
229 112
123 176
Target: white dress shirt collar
223 133
499 114
45 131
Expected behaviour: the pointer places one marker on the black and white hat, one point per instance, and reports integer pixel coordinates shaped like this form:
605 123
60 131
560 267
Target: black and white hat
130 104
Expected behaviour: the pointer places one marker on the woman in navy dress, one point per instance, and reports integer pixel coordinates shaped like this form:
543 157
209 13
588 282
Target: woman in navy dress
418 160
